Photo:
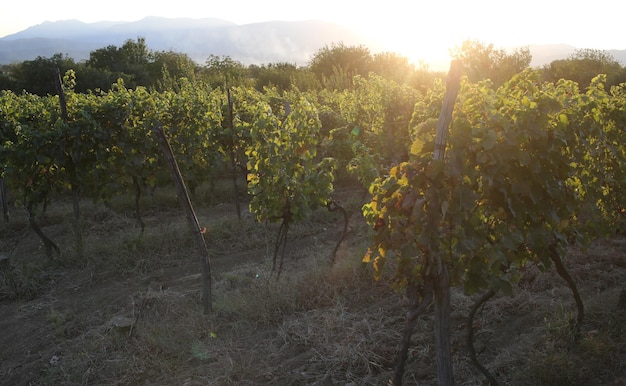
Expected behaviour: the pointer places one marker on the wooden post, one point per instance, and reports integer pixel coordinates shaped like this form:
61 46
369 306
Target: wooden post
233 161
185 201
439 273
59 86
445 116
71 168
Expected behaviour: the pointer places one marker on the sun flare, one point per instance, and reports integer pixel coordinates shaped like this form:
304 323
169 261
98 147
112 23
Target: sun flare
413 42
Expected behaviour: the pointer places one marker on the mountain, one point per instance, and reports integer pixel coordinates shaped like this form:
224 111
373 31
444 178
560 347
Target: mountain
258 43
546 53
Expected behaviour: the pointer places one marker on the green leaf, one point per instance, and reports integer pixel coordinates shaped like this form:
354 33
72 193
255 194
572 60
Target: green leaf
435 169
489 141
505 286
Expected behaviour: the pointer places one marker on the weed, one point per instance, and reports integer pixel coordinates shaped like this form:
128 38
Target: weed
552 369
66 325
22 282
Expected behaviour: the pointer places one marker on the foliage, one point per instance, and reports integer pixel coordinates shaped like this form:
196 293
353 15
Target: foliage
584 65
168 68
511 186
331 68
130 59
286 180
193 118
394 67
336 63
484 61
375 112
223 72
133 62
282 76
30 145
511 193
512 133
37 76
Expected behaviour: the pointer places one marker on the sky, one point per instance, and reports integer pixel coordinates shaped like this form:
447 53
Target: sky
419 30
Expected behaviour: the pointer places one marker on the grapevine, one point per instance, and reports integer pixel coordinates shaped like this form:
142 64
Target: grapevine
509 193
285 180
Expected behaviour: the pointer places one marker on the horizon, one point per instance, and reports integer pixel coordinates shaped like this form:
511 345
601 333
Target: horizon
423 34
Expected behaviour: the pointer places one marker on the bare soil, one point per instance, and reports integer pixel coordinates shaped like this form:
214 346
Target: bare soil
130 313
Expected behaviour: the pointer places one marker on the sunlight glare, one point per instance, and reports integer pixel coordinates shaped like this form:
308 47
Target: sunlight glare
420 43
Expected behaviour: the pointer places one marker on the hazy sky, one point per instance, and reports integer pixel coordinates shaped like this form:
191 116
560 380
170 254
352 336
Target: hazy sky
414 28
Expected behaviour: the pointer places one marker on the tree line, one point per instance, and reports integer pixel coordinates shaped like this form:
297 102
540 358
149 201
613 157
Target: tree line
137 65
331 67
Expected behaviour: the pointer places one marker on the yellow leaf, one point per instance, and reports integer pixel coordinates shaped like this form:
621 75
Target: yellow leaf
378 265
417 146
368 256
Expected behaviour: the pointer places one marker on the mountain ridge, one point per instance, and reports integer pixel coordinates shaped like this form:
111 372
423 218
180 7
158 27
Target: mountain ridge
254 43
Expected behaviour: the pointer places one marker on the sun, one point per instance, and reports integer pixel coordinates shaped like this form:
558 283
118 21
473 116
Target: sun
414 43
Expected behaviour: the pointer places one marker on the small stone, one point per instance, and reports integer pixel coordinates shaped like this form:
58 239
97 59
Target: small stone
122 323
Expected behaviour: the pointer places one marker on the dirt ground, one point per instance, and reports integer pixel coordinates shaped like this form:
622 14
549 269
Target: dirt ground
131 314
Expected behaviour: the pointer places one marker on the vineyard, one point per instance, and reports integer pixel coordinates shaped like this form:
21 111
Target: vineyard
349 242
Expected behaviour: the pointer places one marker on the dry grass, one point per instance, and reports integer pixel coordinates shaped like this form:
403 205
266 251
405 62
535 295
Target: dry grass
318 325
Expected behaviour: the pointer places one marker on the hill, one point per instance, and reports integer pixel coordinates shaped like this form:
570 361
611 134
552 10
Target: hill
274 41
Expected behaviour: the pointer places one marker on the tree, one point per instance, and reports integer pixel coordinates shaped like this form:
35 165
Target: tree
105 58
7 81
393 66
168 67
89 78
335 66
131 59
37 76
483 61
120 59
583 65
223 72
280 75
